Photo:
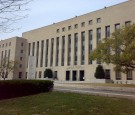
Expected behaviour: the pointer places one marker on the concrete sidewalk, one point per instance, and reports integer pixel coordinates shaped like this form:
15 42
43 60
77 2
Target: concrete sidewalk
104 87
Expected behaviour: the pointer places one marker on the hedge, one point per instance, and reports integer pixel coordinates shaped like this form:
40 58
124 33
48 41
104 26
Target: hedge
17 88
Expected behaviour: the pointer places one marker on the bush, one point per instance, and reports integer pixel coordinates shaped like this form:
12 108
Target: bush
100 74
48 73
16 88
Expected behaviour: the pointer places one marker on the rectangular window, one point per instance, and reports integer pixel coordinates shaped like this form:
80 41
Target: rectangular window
63 50
76 26
107 31
98 41
90 22
37 54
58 30
127 23
75 48
40 74
90 45
42 51
67 75
69 50
129 75
47 46
63 29
8 54
20 75
69 27
82 48
117 26
33 49
118 75
51 55
83 24
29 49
57 51
98 20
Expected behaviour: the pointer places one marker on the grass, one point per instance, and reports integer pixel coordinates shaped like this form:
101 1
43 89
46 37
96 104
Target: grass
57 103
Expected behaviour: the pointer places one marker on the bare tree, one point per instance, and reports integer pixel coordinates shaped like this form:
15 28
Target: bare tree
10 12
6 67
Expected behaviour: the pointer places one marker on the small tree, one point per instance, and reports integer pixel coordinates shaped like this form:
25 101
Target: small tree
48 73
6 67
100 74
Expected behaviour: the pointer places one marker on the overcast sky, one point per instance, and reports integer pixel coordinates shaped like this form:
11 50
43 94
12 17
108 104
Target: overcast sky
46 12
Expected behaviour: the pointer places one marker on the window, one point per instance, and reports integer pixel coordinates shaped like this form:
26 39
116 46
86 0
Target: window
20 65
69 27
63 51
98 41
82 24
51 55
117 26
67 75
82 48
98 20
127 23
69 50
90 45
75 48
21 51
9 43
21 44
129 75
3 45
29 49
57 51
37 54
20 75
90 22
118 75
42 51
107 31
6 44
33 49
63 29
76 26
58 30
21 58
47 46
40 74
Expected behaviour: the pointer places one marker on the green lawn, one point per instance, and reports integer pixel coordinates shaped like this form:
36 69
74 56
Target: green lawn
56 103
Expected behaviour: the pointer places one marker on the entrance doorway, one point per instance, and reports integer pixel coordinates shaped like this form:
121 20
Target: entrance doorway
107 74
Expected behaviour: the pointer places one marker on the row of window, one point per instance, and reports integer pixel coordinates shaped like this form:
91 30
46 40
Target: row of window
90 22
5 45
8 44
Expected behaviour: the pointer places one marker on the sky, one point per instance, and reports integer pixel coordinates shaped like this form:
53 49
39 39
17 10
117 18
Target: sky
45 12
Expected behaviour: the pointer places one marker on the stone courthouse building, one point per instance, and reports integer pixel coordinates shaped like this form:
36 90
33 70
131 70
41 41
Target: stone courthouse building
65 46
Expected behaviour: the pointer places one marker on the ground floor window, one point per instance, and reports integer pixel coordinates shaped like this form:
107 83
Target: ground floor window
74 77
20 75
67 75
81 75
107 74
55 75
118 75
129 75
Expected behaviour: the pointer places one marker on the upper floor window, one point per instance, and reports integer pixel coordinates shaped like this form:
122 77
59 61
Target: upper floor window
6 44
63 29
58 30
98 20
127 23
21 51
90 22
117 26
107 31
76 26
21 44
9 43
82 24
69 27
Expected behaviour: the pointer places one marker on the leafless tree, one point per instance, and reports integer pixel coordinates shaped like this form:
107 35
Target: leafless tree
6 67
10 12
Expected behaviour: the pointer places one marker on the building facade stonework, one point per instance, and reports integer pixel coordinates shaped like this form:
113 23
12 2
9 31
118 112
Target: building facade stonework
65 46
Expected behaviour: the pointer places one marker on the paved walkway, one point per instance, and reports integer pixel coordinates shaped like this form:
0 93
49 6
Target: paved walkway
120 92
